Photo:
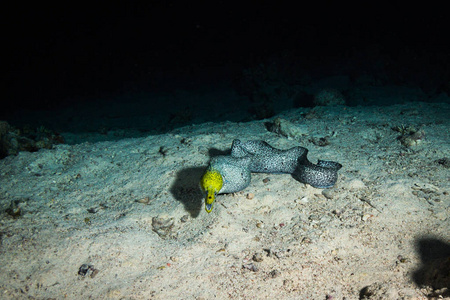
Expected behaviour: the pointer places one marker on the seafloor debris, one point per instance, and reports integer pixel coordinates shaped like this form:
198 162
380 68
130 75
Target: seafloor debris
86 270
410 136
252 267
274 273
376 291
162 225
14 209
145 200
321 142
13 140
445 162
287 128
258 257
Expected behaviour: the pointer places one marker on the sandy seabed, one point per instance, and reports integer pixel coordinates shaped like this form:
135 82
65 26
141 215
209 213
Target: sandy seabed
126 219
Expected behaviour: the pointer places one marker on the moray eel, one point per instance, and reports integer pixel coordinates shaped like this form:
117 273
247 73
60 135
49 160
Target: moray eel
232 173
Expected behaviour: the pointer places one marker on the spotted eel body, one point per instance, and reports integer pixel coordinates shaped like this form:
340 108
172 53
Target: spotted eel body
232 173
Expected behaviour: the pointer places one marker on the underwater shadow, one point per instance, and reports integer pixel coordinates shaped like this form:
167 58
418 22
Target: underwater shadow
435 268
217 152
186 189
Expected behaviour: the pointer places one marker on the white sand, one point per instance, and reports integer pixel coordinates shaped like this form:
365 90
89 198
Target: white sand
388 200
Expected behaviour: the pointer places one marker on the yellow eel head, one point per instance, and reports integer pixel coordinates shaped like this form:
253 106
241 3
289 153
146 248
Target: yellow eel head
211 183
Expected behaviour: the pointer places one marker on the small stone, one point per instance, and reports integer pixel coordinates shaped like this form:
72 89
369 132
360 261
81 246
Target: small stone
260 225
145 200
328 193
92 210
403 259
258 257
162 225
266 180
304 200
337 212
306 240
251 267
87 270
184 218
83 269
366 217
250 196
274 273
